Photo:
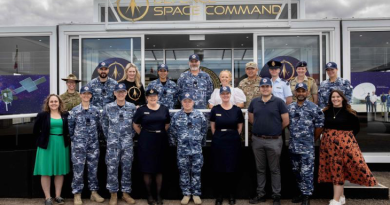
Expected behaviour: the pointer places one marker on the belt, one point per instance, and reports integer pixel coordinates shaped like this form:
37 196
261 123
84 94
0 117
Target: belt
57 134
154 131
267 137
225 130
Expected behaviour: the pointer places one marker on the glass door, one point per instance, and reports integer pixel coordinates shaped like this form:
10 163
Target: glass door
289 49
117 52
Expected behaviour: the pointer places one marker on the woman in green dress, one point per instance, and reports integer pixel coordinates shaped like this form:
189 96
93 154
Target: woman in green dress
51 130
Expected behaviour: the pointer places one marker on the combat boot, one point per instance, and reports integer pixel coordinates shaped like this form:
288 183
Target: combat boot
197 200
77 199
185 200
96 197
113 199
128 198
305 200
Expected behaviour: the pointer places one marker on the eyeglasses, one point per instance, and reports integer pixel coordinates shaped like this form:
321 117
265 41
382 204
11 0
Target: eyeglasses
121 118
88 122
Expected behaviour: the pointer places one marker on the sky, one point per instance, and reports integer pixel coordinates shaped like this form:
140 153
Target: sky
53 12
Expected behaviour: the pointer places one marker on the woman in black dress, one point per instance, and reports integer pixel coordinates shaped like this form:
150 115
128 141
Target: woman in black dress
151 122
226 122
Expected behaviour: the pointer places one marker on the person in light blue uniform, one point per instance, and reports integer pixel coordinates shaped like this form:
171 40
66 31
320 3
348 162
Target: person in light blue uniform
280 87
102 87
166 88
196 82
117 124
84 123
333 83
188 131
306 122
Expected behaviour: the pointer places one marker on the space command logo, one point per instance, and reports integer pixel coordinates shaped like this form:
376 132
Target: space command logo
287 71
116 68
133 12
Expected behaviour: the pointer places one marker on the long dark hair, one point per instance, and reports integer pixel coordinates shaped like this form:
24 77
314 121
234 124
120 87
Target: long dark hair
345 103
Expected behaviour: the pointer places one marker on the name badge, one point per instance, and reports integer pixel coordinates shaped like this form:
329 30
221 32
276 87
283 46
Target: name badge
146 113
219 115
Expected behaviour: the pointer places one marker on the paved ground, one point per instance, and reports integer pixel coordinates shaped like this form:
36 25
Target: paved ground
382 177
177 202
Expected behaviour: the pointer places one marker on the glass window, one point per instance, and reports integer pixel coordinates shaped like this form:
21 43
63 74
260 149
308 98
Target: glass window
25 55
153 58
24 73
116 51
299 47
370 74
241 57
75 57
213 60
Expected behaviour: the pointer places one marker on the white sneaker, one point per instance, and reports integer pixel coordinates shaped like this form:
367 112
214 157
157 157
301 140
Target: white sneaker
334 202
342 199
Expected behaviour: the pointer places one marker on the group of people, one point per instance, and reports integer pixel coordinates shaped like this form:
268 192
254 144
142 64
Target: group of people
371 102
75 120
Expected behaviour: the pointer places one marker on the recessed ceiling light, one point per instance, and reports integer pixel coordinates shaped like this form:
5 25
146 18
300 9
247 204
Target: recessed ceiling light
361 35
286 44
40 40
298 36
154 46
110 46
247 37
197 45
242 44
387 42
98 39
147 38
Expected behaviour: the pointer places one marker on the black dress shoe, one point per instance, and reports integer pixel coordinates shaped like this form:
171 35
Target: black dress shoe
305 200
218 201
257 199
232 201
297 199
150 201
276 200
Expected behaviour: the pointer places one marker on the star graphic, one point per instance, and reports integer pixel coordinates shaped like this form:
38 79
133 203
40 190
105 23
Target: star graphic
132 6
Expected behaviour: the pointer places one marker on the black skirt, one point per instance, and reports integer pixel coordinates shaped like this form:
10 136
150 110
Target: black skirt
226 150
151 147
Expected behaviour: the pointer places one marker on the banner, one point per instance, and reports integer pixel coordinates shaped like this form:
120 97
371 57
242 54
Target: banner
23 94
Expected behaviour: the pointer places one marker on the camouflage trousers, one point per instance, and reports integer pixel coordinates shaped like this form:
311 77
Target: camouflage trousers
85 153
190 167
303 168
123 157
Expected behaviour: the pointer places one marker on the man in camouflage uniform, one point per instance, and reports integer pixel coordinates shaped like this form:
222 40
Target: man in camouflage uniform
84 122
306 122
251 84
197 82
117 124
71 97
167 89
188 131
102 87
333 83
301 68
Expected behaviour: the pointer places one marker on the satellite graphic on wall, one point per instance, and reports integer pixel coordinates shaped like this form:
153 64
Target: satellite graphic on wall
22 94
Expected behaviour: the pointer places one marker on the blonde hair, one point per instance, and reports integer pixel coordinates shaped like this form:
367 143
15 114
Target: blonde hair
137 74
46 107
229 74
